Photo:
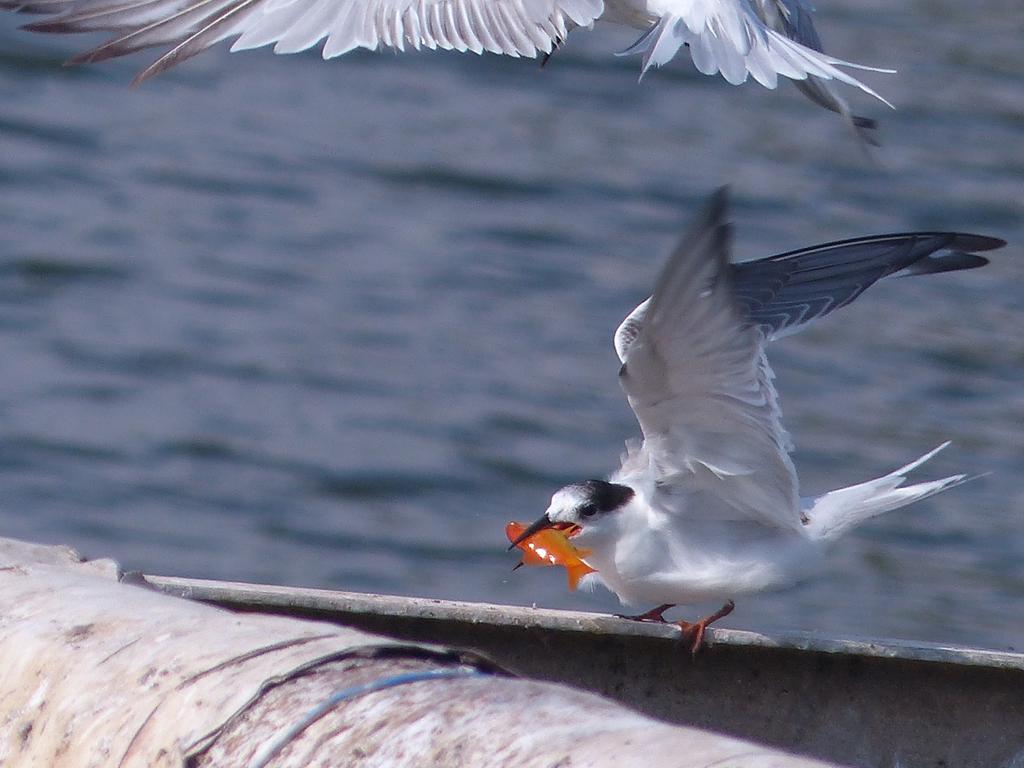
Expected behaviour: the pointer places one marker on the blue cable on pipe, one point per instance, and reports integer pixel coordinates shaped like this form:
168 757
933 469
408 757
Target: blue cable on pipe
268 752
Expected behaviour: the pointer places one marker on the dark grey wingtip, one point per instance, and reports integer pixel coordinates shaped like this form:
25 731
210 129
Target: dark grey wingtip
822 94
951 261
714 217
48 26
958 254
33 26
151 71
37 7
27 8
866 129
93 56
706 241
963 241
719 200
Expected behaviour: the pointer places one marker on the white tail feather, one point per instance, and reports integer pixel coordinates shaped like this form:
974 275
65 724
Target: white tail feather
753 49
832 514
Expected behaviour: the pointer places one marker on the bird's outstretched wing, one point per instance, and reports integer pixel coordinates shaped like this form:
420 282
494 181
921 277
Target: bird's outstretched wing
188 27
782 294
736 38
697 380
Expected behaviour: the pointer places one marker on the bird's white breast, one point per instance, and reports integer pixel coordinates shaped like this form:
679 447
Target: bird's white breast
665 558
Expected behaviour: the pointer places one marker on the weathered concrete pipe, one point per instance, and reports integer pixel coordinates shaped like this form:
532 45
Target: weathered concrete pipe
864 702
96 673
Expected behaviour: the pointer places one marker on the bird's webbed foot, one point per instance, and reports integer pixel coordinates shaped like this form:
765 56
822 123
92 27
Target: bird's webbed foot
653 616
693 633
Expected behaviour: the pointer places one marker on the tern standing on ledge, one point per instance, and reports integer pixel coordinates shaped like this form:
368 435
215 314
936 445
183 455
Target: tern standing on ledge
707 507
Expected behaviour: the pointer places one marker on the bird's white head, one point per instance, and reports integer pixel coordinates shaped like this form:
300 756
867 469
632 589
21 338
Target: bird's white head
591 505
588 503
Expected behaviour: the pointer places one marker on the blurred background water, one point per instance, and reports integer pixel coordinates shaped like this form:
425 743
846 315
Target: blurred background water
333 324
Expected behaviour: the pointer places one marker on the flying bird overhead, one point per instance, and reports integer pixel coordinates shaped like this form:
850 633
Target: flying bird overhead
741 39
708 507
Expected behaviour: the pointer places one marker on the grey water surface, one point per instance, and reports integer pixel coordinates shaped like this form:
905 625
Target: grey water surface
333 324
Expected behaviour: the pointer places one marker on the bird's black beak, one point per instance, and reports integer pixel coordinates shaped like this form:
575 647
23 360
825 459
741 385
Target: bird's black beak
542 524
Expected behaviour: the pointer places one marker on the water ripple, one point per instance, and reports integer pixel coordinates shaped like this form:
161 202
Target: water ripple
334 324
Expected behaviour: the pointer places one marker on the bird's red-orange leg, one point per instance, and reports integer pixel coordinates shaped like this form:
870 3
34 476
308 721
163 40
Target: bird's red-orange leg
654 616
693 633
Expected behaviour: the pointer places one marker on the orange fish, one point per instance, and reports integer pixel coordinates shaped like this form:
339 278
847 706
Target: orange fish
551 547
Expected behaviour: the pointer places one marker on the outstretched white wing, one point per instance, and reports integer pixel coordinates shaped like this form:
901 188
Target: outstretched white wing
187 27
700 386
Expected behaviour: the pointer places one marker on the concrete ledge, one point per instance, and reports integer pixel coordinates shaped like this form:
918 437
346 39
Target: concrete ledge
861 702
97 672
